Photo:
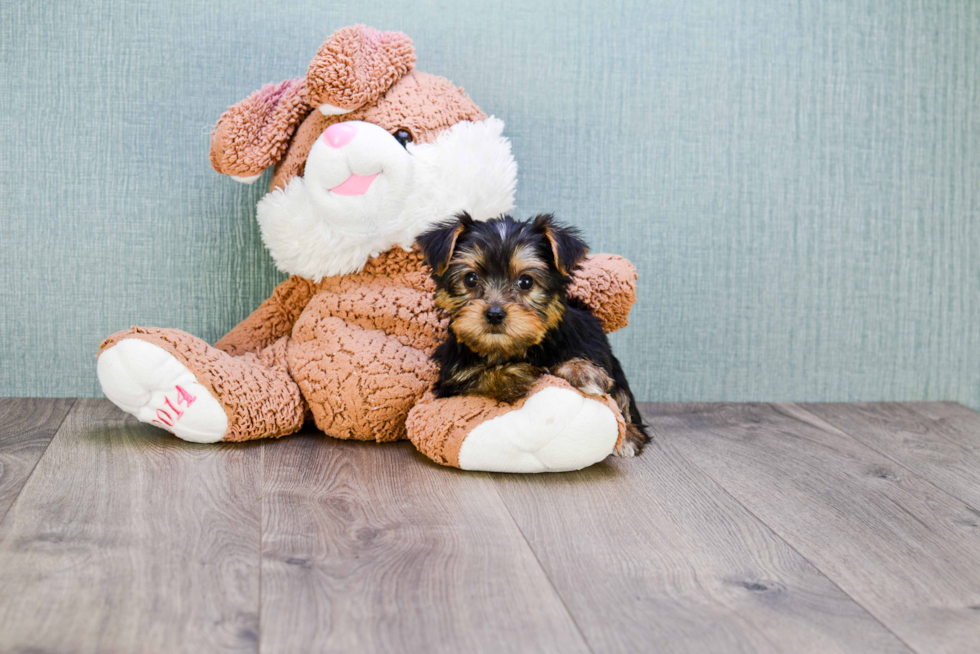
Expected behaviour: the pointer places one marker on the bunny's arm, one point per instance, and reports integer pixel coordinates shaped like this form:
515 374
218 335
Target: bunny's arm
607 284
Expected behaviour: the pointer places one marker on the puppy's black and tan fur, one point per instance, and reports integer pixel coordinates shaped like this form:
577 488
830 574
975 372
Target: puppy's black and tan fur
504 284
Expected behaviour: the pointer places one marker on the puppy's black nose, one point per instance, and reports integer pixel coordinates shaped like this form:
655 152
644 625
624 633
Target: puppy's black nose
495 315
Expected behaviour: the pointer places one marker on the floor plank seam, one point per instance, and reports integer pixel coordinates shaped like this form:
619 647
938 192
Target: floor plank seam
898 464
258 628
776 534
544 571
27 479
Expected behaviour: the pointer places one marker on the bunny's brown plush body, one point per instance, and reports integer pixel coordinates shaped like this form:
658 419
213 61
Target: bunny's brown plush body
367 154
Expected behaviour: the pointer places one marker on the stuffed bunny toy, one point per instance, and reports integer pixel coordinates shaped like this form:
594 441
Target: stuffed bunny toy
366 154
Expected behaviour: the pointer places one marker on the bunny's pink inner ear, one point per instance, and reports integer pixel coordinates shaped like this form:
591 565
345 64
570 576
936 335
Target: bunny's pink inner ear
355 67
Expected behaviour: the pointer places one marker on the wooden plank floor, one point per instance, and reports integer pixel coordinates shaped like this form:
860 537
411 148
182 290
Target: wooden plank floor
741 528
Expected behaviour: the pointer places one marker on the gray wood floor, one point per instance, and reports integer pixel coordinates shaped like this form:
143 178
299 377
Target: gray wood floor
741 528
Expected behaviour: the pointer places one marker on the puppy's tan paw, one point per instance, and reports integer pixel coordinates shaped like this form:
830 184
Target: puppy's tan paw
632 442
585 376
508 382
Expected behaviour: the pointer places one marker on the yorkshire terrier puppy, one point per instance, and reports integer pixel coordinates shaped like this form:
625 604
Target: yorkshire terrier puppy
504 285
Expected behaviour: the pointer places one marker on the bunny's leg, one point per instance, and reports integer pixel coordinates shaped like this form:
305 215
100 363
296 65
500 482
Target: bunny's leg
555 428
199 393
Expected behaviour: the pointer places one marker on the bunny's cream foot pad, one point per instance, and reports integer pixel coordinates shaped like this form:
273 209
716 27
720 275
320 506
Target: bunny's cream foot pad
148 382
556 430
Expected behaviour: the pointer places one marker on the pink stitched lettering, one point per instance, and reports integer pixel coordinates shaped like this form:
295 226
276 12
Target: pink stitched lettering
184 396
179 413
164 418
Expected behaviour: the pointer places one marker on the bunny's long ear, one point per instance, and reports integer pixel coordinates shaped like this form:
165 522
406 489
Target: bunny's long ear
355 66
439 243
255 133
567 246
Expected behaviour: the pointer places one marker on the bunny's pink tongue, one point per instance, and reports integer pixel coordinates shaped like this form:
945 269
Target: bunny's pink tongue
354 185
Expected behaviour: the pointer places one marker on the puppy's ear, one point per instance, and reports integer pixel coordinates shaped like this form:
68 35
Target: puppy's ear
567 246
439 243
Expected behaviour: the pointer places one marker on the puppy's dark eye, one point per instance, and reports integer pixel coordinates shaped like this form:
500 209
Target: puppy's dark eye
525 283
403 136
471 279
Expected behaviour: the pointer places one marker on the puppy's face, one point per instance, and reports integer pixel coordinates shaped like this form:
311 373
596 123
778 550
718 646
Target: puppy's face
501 296
502 281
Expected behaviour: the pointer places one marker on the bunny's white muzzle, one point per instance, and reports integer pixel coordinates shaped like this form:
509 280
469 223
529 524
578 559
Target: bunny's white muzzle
362 193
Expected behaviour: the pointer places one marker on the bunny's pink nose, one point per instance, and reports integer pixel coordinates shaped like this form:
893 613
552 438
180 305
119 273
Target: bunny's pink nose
339 134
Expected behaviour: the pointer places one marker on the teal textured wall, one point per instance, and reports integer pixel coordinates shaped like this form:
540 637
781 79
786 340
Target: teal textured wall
798 183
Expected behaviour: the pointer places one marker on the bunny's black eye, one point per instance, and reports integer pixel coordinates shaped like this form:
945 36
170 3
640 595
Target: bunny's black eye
403 136
471 279
524 282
